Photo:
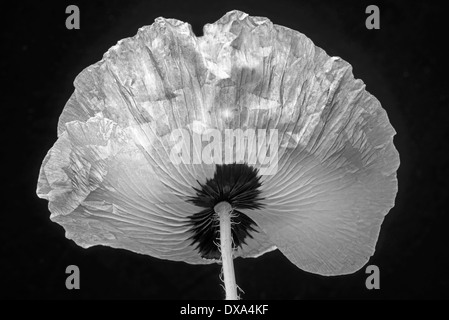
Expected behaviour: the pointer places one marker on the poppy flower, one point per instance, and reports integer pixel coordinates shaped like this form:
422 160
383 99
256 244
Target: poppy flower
310 170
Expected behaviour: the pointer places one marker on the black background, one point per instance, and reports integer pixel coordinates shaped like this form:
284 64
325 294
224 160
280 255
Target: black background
403 64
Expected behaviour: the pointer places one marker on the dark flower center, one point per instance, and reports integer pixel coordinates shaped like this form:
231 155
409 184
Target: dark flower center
238 184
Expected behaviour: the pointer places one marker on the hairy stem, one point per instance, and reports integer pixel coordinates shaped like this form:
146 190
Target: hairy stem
224 211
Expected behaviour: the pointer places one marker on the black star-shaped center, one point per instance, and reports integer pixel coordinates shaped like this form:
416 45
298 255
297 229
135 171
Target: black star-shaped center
238 184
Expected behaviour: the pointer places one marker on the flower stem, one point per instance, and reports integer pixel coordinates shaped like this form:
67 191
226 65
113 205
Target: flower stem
224 211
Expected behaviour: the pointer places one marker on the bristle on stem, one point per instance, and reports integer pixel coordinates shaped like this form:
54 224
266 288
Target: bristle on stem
224 211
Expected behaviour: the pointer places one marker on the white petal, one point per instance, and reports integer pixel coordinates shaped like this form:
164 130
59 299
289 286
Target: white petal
109 178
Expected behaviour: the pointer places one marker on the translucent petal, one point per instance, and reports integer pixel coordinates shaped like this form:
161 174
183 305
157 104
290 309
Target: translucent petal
109 178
